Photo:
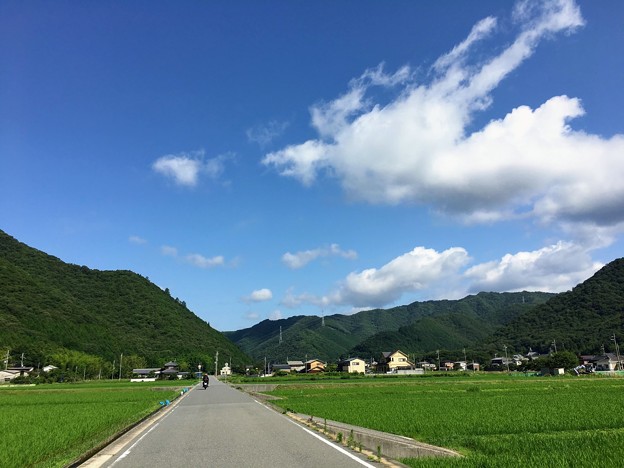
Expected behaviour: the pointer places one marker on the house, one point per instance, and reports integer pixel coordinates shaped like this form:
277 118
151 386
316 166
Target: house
314 366
149 374
502 362
49 368
473 366
606 362
392 361
280 368
427 365
447 365
8 375
296 366
226 370
352 365
168 371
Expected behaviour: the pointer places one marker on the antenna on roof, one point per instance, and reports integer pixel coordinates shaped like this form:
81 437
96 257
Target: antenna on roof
323 318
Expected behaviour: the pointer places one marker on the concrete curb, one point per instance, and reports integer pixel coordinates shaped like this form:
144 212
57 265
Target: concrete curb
375 442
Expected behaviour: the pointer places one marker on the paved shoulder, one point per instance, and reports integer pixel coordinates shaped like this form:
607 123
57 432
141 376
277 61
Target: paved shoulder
223 427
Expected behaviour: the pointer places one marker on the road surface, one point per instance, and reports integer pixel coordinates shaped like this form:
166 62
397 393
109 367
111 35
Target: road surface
223 427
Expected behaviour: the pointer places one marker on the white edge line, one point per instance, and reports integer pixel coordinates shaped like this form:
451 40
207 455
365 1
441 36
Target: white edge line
127 452
325 441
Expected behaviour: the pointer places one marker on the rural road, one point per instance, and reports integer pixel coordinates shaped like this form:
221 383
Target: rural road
223 427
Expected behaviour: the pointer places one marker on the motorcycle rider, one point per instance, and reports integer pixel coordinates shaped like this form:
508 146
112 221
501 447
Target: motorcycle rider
206 381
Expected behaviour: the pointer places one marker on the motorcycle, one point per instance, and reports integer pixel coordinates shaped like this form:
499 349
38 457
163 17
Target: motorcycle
205 384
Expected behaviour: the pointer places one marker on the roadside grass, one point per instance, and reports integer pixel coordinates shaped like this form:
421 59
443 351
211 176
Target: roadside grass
52 425
502 421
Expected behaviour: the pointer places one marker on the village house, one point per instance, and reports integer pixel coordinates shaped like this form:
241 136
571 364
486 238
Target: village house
352 365
393 361
314 366
295 366
606 362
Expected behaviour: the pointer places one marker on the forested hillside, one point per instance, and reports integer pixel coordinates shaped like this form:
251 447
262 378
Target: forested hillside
54 312
459 325
436 324
581 320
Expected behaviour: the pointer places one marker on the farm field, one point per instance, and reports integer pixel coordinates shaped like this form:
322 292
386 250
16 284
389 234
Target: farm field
502 421
52 425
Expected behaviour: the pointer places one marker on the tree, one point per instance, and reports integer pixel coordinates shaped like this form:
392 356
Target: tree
565 359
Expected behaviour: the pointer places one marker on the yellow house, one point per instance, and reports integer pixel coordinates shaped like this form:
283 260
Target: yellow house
393 361
352 365
314 366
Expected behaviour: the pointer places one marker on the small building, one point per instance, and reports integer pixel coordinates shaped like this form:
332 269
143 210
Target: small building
226 370
314 366
8 375
392 361
296 366
606 362
149 374
352 365
447 365
49 368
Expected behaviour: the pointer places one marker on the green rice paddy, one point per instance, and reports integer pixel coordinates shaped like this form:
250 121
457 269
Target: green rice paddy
52 425
507 422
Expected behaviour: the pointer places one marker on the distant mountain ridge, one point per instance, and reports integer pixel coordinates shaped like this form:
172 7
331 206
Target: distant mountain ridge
410 327
48 306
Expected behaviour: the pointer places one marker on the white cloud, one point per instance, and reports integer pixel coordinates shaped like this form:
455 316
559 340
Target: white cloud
276 315
555 268
302 258
185 168
259 295
413 271
265 134
204 262
169 251
137 240
417 148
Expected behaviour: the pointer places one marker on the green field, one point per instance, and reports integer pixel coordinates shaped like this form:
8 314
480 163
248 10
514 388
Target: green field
501 421
52 425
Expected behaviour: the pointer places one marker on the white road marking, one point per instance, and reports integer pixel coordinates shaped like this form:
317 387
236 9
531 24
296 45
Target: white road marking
324 440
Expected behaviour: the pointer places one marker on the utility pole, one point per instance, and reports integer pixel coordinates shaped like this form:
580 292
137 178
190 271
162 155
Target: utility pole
617 352
280 338
120 362
216 362
506 358
554 345
6 359
438 353
113 369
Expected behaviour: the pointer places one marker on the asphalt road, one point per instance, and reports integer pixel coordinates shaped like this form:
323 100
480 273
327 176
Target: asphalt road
223 427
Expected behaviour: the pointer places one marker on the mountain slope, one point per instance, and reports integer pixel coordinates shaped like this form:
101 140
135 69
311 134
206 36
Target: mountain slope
339 335
462 324
580 320
47 305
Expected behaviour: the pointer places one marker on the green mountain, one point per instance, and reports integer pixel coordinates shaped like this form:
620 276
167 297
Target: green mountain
54 311
580 320
417 327
460 324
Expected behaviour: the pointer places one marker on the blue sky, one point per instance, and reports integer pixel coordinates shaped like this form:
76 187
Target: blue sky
269 159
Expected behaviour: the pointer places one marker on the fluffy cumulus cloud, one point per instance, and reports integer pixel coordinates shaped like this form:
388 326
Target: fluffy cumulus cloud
554 268
413 271
186 168
450 275
418 148
302 258
260 295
